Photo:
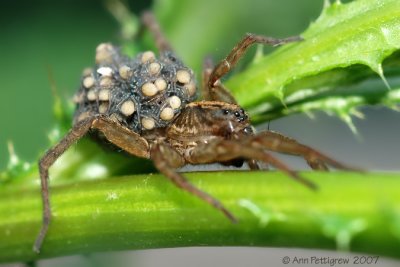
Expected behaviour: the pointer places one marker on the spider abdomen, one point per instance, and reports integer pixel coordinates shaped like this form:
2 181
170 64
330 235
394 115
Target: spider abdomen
141 93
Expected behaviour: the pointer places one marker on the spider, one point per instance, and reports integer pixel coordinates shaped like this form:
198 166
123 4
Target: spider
145 106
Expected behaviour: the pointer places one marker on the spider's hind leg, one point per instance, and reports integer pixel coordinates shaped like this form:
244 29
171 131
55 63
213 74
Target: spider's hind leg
150 22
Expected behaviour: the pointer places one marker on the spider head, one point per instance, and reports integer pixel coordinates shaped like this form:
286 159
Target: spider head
221 119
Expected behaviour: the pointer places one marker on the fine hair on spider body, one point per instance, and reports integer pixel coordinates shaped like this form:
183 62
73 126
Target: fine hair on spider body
146 107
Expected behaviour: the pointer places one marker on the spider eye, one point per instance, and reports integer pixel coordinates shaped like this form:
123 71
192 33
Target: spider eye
225 112
237 114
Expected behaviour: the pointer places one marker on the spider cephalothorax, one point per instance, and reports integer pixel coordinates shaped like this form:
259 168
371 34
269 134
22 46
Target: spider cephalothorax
144 106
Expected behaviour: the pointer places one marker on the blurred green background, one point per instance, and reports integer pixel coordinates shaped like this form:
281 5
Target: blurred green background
61 36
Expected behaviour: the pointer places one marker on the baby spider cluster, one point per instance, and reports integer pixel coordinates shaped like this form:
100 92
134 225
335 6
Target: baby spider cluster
141 93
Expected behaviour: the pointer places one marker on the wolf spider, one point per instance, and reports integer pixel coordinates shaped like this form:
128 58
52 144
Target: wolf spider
146 107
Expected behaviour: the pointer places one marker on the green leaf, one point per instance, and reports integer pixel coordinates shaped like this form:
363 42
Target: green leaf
337 45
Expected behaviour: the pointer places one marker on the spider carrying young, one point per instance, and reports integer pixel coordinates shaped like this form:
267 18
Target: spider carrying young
145 106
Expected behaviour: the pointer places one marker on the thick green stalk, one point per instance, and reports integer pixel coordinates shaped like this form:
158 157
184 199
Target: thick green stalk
350 211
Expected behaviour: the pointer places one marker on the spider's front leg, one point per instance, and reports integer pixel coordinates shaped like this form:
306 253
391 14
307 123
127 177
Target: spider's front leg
277 142
218 92
216 89
76 133
114 132
228 63
166 160
226 150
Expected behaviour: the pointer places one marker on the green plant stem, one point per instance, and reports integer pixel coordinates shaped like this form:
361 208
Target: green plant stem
350 211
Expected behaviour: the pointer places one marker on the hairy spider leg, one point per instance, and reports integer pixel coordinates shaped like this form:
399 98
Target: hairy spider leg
277 142
208 66
150 22
225 150
228 63
76 133
166 160
115 133
212 75
218 92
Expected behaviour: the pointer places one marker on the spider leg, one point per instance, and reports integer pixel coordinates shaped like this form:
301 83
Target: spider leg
218 92
239 50
76 133
225 150
152 25
253 165
208 66
122 137
277 142
115 133
166 160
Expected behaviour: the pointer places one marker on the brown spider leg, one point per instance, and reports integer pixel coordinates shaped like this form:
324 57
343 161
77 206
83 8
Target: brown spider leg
152 25
115 133
218 92
253 165
166 160
238 51
277 142
208 66
225 150
122 137
77 132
